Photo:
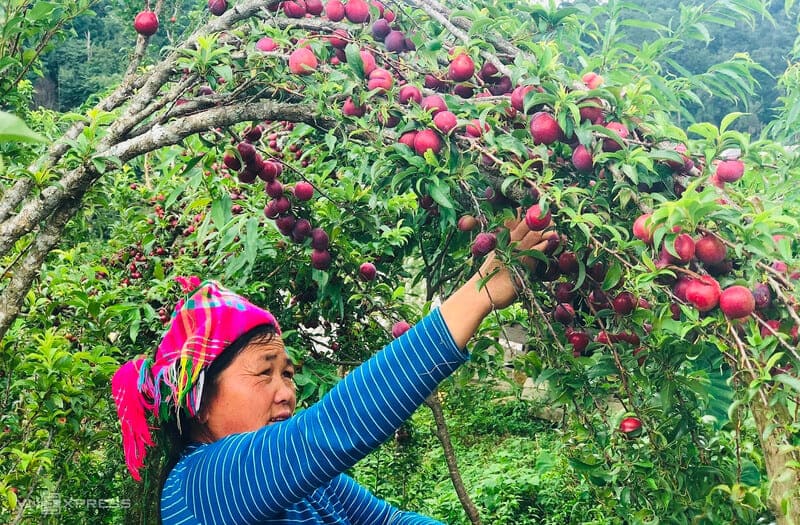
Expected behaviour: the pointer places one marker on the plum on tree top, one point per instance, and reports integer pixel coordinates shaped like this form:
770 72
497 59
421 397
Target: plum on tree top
146 23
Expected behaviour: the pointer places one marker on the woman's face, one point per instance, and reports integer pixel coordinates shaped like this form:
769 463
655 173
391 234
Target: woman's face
255 390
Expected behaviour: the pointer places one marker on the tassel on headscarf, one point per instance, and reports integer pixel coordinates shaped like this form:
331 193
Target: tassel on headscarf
131 406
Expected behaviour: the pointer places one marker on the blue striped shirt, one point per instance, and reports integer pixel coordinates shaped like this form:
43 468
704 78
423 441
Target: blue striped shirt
291 472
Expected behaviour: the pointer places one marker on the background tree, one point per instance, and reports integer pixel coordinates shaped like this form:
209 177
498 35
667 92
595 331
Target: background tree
766 39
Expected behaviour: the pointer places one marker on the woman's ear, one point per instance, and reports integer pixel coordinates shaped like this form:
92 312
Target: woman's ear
202 416
198 427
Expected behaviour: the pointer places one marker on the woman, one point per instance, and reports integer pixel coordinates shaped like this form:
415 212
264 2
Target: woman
222 385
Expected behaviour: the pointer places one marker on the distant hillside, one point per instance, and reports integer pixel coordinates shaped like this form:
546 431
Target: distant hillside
770 43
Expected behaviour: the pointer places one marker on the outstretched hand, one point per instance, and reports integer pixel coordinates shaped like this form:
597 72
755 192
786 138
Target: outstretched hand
503 285
494 286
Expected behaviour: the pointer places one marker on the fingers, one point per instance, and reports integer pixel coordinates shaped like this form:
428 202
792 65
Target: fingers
525 236
537 240
527 239
516 227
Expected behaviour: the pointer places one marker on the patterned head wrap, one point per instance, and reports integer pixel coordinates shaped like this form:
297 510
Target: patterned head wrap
202 327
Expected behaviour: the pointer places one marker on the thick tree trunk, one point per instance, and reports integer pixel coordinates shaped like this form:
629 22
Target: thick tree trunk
14 196
784 479
450 456
27 267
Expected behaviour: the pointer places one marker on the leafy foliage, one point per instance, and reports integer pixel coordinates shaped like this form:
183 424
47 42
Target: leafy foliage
697 39
164 202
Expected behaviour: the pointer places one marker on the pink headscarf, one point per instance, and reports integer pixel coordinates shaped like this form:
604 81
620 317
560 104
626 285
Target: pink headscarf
202 327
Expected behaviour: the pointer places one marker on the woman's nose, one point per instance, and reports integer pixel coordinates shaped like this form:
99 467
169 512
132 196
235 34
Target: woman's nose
286 392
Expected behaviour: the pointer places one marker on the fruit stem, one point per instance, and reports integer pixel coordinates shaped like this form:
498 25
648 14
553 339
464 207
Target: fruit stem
681 269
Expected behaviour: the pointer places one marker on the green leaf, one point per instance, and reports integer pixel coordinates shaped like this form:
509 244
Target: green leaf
481 26
582 466
441 194
14 129
191 164
353 54
612 276
224 71
643 24
221 211
750 473
728 119
99 164
791 382
251 243
545 462
136 322
40 11
702 31
705 130
604 367
11 498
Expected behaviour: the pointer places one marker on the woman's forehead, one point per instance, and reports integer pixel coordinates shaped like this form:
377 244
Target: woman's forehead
266 349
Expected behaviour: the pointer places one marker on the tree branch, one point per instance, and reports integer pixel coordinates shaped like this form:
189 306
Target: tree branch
27 269
14 196
438 13
77 181
160 136
73 184
443 434
137 110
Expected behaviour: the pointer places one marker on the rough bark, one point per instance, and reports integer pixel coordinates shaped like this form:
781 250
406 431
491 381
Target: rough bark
784 490
73 184
167 135
443 434
27 268
14 196
441 15
460 28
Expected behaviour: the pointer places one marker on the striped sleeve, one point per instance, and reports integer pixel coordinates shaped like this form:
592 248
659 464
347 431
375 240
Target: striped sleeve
363 508
248 477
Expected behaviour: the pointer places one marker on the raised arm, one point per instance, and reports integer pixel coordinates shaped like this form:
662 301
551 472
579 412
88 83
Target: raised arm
363 508
244 478
248 477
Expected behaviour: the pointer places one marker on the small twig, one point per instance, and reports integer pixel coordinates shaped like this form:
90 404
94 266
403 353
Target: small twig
613 253
623 372
302 176
438 263
773 332
547 323
430 290
790 304
468 191
746 360
443 19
